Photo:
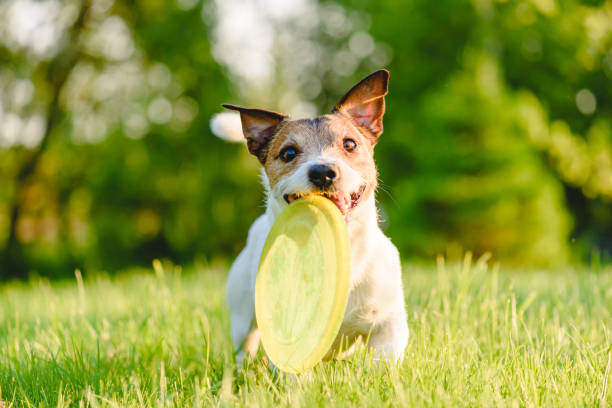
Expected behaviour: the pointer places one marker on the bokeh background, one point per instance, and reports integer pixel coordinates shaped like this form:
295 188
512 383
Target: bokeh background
498 132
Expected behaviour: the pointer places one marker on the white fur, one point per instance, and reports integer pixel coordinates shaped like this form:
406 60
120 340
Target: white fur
375 307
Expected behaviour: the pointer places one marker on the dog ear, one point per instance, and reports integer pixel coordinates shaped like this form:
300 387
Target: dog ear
365 102
258 126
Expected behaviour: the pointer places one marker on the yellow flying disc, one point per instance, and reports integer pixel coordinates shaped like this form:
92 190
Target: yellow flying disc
302 283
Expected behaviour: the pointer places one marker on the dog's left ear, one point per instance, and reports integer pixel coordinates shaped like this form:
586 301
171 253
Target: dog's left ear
365 102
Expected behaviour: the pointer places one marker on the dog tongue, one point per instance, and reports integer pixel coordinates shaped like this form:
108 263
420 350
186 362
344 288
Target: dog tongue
342 201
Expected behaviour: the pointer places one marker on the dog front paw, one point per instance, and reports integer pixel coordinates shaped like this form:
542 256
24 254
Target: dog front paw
389 341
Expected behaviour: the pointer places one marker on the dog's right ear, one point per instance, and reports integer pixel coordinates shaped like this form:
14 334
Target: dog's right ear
258 126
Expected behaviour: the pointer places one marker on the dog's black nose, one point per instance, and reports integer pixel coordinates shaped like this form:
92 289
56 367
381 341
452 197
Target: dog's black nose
321 175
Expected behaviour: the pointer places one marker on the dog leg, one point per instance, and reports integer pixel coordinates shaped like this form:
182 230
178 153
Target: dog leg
249 347
241 302
389 340
251 344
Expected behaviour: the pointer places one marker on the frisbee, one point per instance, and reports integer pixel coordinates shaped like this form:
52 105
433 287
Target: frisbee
302 283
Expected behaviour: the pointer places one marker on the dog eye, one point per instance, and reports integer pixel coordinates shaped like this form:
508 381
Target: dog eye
288 154
349 145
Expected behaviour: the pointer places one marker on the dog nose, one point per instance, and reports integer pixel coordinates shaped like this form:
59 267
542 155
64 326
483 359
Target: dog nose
321 175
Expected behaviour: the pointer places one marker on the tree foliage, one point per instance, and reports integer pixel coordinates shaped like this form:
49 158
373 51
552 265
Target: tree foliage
498 134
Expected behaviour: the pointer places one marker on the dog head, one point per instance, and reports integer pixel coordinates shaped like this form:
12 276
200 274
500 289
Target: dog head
331 155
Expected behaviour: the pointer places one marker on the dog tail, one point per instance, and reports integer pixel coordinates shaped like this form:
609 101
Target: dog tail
227 126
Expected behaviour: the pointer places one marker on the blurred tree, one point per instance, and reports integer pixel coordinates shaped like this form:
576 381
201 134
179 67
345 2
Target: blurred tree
475 182
499 121
56 73
475 86
92 190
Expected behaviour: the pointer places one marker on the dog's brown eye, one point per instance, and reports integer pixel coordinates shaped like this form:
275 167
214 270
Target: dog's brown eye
288 154
349 145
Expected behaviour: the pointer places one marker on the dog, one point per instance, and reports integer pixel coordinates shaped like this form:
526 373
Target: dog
333 156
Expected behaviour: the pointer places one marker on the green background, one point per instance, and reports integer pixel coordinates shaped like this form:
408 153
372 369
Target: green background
498 132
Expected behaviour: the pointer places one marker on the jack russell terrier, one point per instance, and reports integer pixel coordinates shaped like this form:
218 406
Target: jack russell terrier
333 156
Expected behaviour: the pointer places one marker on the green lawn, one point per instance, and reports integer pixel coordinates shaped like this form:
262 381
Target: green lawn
479 337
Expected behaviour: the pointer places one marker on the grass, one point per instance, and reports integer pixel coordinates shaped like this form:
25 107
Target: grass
479 337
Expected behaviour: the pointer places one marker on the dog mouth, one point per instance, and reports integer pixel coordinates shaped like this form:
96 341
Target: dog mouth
344 201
